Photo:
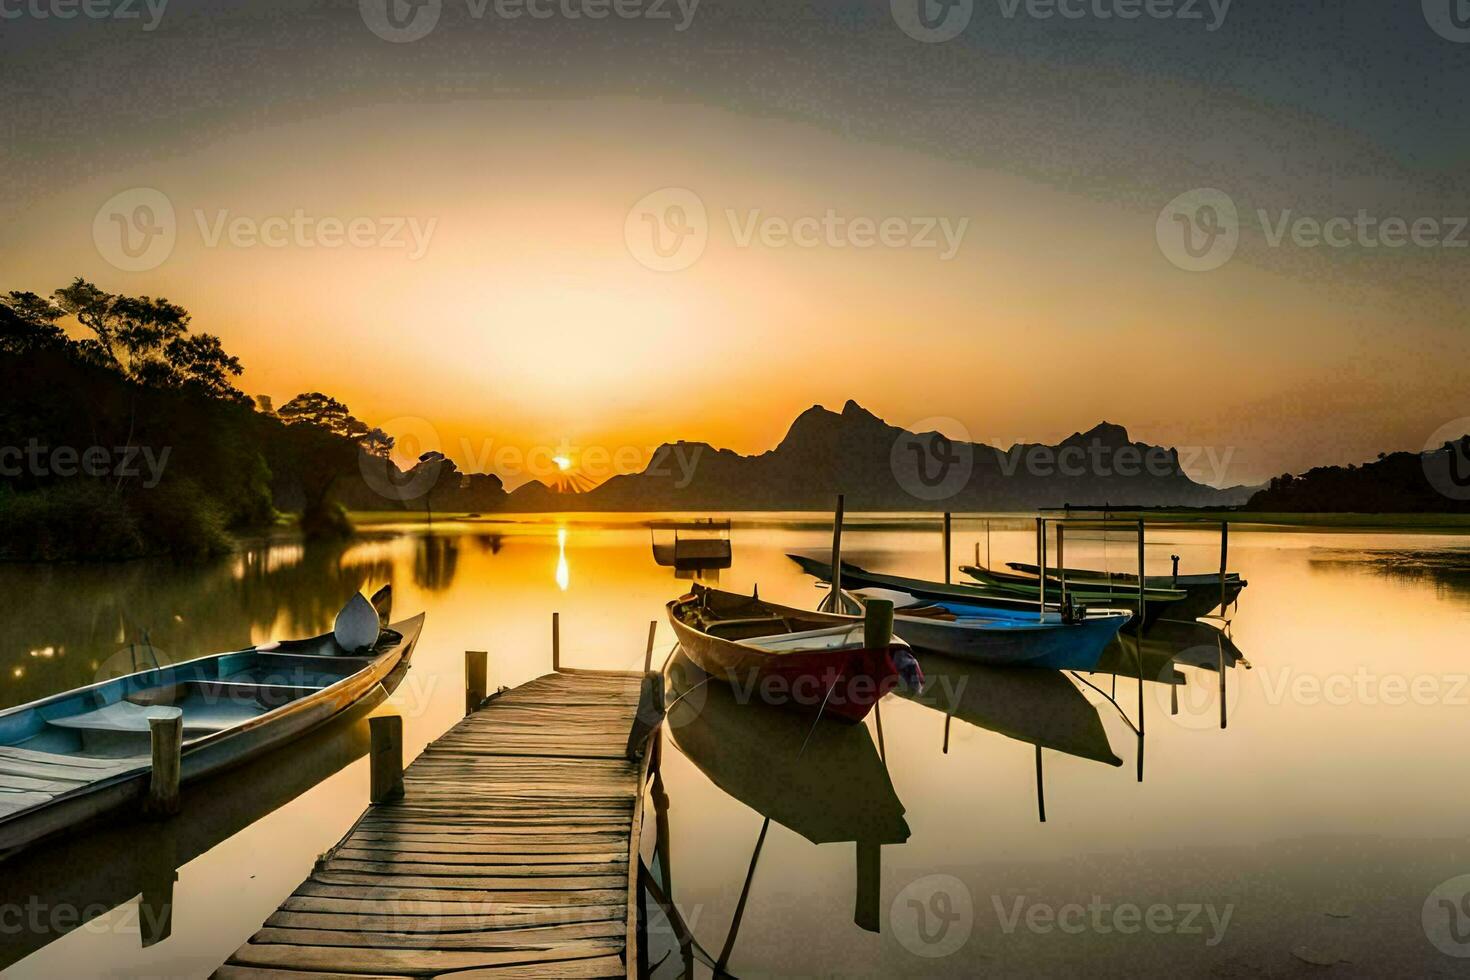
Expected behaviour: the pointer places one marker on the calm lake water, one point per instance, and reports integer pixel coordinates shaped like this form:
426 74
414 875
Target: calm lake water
1325 825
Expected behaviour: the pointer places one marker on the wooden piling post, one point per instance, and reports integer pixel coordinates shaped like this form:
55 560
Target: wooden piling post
1175 581
836 594
948 528
167 736
648 653
1142 608
386 751
649 714
476 679
556 641
877 623
1224 556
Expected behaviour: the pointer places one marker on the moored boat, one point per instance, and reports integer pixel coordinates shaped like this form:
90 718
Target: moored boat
71 757
779 654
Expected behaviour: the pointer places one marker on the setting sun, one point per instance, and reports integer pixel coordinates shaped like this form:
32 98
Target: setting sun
562 463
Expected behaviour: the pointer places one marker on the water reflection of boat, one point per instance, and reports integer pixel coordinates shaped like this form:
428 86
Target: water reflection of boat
824 781
1039 707
71 757
93 874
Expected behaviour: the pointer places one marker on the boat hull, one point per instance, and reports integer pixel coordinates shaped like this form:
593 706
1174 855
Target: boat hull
842 684
1057 646
206 755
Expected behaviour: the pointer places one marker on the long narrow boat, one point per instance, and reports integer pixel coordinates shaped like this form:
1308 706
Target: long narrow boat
999 637
857 577
780 654
1201 591
71 757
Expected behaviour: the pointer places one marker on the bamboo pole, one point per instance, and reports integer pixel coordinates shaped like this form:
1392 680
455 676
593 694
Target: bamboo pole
476 679
166 736
386 739
652 632
1224 556
948 529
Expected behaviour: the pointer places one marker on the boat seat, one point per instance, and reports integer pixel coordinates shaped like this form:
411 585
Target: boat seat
123 716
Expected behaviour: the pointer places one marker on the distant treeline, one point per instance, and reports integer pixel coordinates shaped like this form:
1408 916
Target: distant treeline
134 439
1397 483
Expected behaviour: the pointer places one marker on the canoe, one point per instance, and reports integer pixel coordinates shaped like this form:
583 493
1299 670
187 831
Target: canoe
1201 591
783 655
71 757
1027 588
857 577
1038 707
984 636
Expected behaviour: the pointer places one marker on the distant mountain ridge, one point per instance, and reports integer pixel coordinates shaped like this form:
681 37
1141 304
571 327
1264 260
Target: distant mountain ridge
884 467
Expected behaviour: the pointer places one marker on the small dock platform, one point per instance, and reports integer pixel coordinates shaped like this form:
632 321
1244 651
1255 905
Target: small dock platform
511 853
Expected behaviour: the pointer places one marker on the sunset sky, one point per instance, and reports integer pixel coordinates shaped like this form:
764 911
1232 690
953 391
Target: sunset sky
518 148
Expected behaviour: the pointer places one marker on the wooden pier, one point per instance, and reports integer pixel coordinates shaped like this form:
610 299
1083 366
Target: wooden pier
512 851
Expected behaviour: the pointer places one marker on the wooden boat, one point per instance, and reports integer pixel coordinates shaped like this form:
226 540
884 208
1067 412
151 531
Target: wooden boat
999 637
857 577
1028 589
780 654
1097 577
74 756
1201 592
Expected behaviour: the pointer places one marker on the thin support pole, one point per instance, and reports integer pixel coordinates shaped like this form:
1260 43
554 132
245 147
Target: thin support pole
987 542
835 596
1041 572
948 528
1142 609
1061 560
1224 556
947 719
556 641
648 653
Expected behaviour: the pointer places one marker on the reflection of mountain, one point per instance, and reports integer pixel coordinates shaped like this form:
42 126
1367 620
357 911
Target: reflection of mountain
837 790
93 874
877 466
1040 707
90 612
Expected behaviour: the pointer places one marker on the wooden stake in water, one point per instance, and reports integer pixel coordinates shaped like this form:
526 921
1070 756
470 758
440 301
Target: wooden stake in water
878 635
386 740
1061 560
167 736
1040 790
556 641
948 527
648 653
1224 556
833 601
476 679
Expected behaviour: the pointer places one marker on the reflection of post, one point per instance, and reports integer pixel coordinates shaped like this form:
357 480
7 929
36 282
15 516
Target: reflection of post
729 947
869 885
1040 790
556 641
476 679
947 718
156 904
1220 666
664 858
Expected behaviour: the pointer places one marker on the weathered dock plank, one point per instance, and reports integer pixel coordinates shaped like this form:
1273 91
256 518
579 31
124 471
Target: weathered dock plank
512 853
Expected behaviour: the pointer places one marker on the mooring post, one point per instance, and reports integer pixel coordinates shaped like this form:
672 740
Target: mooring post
167 736
1224 556
1041 570
1061 560
948 528
476 679
556 641
386 750
1175 581
877 635
1142 608
837 517
648 653
649 714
